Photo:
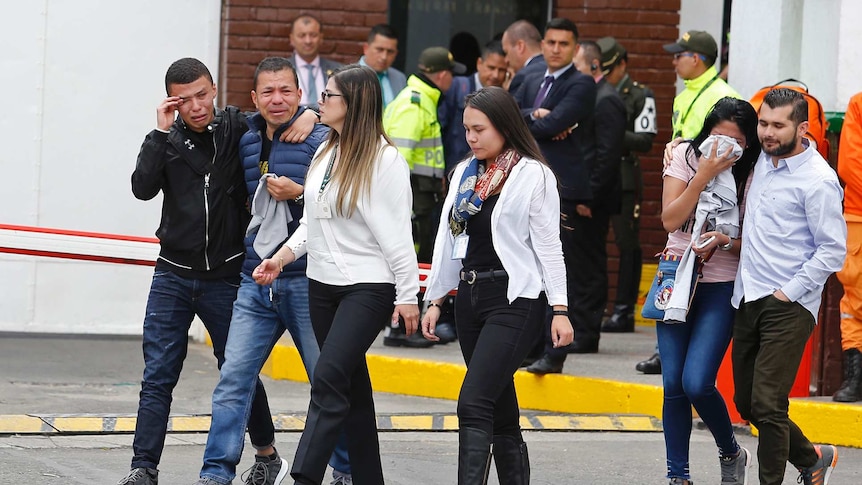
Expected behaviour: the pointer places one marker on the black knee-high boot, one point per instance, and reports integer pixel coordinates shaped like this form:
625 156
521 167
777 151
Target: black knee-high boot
474 456
851 388
511 460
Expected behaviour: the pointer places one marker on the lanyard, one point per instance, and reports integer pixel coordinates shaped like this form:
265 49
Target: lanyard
328 175
685 116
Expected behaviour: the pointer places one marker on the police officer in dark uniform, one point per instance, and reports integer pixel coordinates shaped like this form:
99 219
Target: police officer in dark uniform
640 132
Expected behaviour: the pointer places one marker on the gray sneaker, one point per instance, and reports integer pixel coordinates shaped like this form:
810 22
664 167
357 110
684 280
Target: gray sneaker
207 481
734 469
819 472
265 471
680 481
339 478
141 476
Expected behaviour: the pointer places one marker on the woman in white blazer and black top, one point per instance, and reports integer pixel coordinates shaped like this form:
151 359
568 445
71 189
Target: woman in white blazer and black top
362 270
499 243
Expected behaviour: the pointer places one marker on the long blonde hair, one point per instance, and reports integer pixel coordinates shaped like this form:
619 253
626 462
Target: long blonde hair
359 140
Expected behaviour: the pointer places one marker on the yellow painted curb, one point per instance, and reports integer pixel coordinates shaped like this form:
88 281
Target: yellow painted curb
537 421
647 274
22 424
441 380
824 422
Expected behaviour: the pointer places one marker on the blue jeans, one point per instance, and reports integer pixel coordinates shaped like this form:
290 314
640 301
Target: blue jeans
172 304
261 313
691 354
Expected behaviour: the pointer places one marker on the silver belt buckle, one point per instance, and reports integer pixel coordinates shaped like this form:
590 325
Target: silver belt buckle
471 276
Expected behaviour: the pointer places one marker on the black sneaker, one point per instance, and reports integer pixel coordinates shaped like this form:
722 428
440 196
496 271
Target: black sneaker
141 476
265 471
619 323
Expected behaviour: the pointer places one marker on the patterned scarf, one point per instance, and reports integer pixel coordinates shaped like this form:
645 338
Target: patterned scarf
476 186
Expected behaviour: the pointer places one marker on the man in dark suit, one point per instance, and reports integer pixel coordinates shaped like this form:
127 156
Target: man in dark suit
522 43
558 104
588 275
313 71
379 53
490 71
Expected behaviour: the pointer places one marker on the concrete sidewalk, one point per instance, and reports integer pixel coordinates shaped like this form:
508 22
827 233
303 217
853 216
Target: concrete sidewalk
602 383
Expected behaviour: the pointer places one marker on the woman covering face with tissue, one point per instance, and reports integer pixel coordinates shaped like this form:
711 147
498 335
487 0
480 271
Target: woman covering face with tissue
703 189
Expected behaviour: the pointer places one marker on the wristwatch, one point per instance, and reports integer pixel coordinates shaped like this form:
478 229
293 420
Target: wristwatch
728 246
300 199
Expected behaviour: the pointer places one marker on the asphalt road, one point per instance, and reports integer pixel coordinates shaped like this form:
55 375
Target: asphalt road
100 376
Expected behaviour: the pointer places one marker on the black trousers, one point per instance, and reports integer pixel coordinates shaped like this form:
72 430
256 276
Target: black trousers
586 259
769 337
346 319
626 226
495 336
427 194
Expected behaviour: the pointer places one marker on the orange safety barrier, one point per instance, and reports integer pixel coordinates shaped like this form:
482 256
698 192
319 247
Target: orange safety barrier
724 381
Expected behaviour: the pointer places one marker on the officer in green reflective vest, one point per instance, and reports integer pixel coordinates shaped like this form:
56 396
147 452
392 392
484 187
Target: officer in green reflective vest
411 122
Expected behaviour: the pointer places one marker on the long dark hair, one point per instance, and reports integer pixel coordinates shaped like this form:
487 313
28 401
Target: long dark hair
502 111
360 135
742 113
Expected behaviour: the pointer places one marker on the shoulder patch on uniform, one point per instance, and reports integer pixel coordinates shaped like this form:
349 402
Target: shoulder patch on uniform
415 97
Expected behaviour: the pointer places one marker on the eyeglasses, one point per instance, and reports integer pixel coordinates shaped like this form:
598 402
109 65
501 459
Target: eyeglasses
326 94
683 54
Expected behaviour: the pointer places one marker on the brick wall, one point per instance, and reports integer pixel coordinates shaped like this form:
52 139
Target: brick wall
642 28
254 29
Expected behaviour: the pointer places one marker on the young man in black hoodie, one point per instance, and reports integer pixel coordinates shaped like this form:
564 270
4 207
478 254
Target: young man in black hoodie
193 160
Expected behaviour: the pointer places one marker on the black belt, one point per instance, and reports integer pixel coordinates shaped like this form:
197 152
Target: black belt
472 276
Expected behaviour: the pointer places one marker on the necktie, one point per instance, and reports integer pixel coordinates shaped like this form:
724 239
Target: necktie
543 91
312 84
385 87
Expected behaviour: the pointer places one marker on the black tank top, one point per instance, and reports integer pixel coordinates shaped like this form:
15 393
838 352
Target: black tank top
481 255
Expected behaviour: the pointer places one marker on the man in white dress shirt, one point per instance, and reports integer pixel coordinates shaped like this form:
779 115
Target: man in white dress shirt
793 238
313 71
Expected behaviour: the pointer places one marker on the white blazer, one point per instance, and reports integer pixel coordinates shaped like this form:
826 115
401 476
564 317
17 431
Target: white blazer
525 232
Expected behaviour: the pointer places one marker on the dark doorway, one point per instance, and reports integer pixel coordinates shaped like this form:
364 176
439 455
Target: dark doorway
426 23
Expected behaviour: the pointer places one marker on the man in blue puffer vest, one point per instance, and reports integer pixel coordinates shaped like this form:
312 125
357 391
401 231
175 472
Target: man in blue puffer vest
274 174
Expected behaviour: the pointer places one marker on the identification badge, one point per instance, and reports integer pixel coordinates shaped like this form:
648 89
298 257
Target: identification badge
322 211
459 249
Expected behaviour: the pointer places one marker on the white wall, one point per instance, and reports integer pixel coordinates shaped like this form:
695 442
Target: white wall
703 15
81 81
848 76
814 41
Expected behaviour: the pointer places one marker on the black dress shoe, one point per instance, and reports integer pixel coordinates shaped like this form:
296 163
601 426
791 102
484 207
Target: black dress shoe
446 332
416 340
583 347
650 366
545 365
619 323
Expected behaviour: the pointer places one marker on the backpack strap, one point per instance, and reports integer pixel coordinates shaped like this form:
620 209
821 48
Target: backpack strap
791 80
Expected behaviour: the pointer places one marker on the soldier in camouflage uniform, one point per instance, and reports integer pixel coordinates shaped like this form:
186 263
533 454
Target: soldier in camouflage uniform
640 132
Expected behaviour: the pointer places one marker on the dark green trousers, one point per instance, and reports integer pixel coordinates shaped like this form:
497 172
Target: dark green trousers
769 337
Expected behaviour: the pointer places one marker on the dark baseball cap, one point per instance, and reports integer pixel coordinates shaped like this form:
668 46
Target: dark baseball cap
694 41
612 52
436 59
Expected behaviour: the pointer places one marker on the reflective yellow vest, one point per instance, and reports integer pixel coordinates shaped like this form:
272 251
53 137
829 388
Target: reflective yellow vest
411 122
691 106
